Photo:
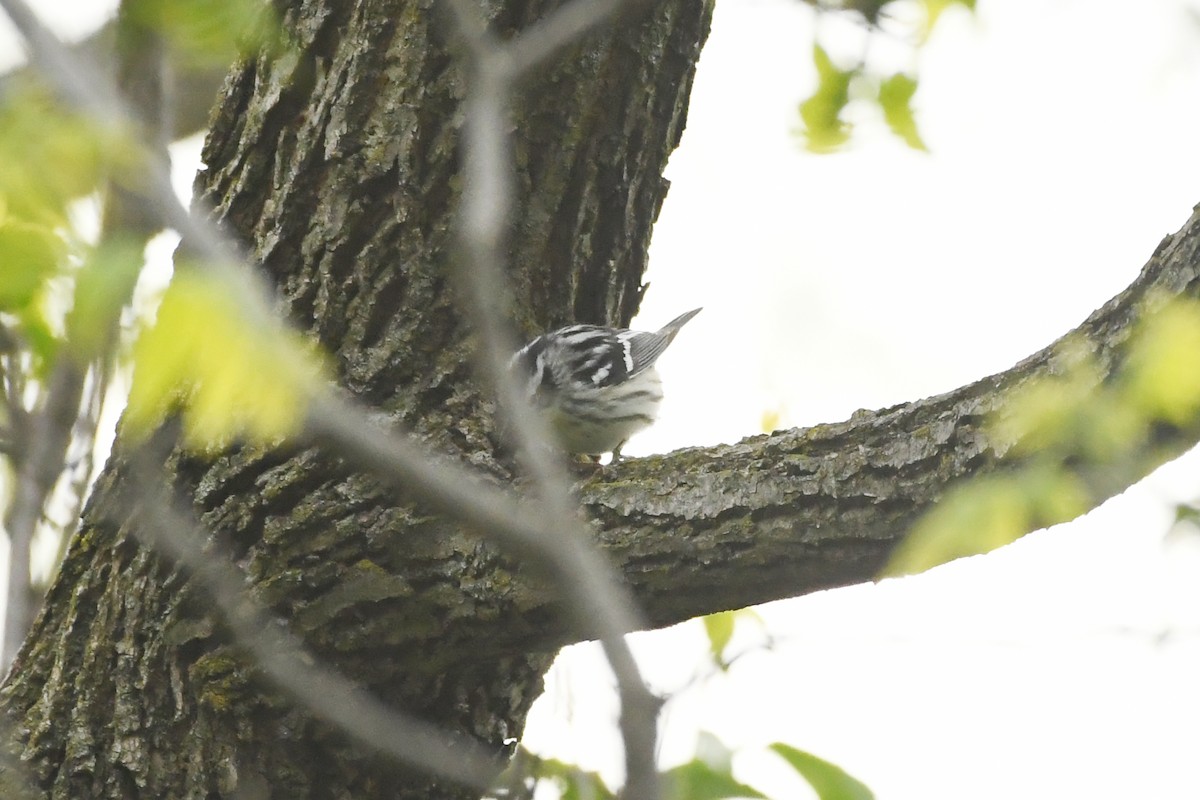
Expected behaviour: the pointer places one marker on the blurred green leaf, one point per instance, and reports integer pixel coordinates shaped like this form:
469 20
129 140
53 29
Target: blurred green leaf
719 628
209 32
103 288
824 130
699 780
829 781
1163 379
29 255
1187 513
49 156
974 518
38 335
229 376
1053 493
934 8
1072 411
580 785
987 513
895 98
573 783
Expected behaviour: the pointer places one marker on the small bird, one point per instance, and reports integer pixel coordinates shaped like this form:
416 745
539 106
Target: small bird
595 386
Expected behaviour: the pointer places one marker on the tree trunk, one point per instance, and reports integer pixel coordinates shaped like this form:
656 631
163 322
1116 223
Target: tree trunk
337 167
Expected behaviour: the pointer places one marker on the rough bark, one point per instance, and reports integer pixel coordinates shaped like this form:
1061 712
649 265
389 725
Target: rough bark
337 168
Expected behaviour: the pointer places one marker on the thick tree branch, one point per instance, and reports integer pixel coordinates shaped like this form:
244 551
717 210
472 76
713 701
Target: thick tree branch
703 530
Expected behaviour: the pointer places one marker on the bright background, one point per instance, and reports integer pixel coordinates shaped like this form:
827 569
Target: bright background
1063 137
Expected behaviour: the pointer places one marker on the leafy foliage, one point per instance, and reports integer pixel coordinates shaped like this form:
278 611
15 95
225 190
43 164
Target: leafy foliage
825 126
720 628
699 780
229 374
208 33
49 156
1066 426
29 255
1163 380
933 10
829 781
708 776
104 287
895 98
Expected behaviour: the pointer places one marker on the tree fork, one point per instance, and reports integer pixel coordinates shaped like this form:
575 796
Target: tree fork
337 168
335 165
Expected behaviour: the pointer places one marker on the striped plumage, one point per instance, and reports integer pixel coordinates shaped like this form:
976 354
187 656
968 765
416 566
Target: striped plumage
596 386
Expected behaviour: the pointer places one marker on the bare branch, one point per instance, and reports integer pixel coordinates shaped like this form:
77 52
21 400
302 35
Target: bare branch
40 465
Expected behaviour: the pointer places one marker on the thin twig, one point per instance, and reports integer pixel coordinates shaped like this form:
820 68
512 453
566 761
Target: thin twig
547 37
41 462
485 212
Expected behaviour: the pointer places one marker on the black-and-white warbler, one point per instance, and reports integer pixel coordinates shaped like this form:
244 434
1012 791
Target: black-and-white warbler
595 386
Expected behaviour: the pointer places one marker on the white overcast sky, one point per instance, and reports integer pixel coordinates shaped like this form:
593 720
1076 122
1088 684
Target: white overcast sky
1064 147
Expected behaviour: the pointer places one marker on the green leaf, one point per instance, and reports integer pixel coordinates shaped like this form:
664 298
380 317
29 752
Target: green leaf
38 335
934 9
699 780
987 513
1187 513
974 518
573 783
719 628
49 156
895 98
824 130
231 376
103 288
209 32
829 781
1053 493
29 255
581 785
1163 379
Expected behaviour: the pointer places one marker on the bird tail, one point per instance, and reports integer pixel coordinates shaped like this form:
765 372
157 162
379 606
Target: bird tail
671 328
